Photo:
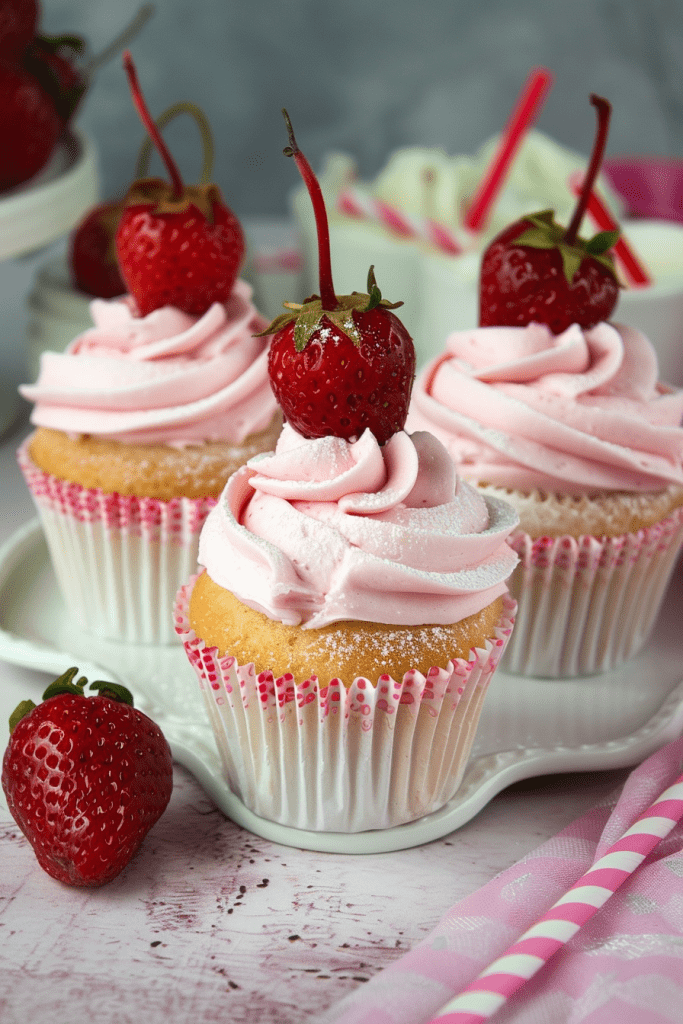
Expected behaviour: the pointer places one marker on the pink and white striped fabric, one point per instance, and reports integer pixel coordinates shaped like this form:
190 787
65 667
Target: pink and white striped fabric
621 961
484 996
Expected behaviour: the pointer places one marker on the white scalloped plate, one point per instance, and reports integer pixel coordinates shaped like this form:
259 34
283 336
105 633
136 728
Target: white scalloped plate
51 203
529 726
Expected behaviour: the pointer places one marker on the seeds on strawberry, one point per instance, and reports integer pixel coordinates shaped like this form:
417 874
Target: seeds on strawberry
85 779
339 365
537 271
177 245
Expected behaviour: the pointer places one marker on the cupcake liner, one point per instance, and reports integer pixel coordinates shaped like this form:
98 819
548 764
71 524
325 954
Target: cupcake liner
118 560
586 605
337 759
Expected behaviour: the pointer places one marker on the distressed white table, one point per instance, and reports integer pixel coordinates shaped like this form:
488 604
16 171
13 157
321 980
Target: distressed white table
210 923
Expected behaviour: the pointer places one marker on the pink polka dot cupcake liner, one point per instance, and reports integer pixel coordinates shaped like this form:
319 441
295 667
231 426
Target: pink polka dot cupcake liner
331 758
586 605
118 560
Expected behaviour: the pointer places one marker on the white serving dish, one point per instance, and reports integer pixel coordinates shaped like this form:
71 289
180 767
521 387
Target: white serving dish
51 203
528 727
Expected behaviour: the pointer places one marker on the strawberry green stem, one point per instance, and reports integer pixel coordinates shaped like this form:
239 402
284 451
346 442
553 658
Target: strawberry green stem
604 110
152 130
327 294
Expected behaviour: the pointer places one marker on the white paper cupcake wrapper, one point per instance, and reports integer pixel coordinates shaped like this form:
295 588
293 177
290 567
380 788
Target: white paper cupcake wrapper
332 759
587 605
118 560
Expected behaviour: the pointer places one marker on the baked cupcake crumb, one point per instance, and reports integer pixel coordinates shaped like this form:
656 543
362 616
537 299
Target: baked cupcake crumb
609 514
153 470
343 650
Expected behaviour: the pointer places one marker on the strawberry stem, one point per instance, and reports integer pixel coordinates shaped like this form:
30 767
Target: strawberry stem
327 294
152 130
604 110
182 107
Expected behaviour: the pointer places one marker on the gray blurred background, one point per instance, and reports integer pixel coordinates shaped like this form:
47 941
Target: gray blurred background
366 76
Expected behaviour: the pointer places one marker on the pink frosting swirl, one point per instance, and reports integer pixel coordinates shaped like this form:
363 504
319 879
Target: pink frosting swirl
327 530
168 377
577 413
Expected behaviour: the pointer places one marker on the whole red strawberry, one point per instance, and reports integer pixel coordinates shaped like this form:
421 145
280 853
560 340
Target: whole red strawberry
339 365
538 271
92 252
29 126
18 20
177 245
85 779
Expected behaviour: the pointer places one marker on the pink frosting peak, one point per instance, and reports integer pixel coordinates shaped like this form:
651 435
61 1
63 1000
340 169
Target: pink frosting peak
168 378
575 413
326 530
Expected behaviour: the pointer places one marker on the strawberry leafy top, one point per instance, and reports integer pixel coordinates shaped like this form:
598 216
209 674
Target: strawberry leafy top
163 198
307 316
65 684
546 233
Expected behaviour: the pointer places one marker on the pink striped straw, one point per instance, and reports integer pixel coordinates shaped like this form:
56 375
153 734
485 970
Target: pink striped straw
501 979
524 114
632 266
353 202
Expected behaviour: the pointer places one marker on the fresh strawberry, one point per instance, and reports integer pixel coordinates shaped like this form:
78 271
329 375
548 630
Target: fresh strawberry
92 252
537 271
29 126
339 365
18 20
177 245
85 779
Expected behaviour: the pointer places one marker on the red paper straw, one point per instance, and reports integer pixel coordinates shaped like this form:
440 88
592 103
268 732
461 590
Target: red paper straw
494 986
523 116
634 271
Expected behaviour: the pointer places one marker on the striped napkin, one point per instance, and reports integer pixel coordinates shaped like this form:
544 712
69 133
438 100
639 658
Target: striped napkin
625 965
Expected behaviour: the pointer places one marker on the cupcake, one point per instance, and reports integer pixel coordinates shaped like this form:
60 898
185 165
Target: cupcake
352 604
143 418
346 626
562 413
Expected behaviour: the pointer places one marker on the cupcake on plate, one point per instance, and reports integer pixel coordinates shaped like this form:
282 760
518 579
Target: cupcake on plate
144 417
352 605
562 413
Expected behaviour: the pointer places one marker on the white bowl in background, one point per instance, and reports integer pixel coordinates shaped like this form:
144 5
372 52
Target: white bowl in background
51 203
56 313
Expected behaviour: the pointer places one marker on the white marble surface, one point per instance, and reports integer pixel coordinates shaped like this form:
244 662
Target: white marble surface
210 923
